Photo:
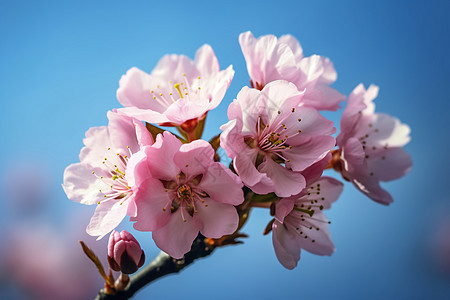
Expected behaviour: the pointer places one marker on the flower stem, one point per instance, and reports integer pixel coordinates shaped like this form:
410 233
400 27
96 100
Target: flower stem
162 265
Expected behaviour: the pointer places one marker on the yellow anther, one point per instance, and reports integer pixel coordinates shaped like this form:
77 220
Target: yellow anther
177 87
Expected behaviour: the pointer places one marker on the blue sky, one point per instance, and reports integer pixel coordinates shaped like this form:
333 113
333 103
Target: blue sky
59 70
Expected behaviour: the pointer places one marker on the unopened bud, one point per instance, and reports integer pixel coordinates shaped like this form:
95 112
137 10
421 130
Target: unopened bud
124 252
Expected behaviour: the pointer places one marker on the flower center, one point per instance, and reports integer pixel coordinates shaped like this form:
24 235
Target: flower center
184 193
166 95
272 139
113 177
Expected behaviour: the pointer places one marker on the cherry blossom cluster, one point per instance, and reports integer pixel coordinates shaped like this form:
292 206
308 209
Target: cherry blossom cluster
280 144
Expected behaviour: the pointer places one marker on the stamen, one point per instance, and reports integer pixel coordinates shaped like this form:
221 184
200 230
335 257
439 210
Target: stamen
177 87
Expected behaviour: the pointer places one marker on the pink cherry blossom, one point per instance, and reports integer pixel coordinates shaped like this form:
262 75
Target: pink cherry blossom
178 92
370 145
102 176
269 59
124 252
186 192
301 224
272 137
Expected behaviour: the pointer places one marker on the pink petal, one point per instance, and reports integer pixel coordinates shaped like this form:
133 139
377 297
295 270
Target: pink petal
280 95
248 106
161 154
329 74
80 185
267 60
145 115
322 245
395 164
134 91
311 123
185 109
314 172
244 164
353 156
137 169
294 45
152 206
217 86
323 97
97 142
285 244
222 185
286 182
370 95
231 139
176 237
312 68
143 135
206 61
194 158
216 219
122 131
372 189
303 156
386 130
325 191
390 164
107 216
283 208
171 67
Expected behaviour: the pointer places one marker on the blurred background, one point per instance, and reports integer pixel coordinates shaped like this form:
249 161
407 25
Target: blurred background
60 64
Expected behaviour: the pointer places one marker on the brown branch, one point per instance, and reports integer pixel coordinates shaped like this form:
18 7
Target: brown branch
161 266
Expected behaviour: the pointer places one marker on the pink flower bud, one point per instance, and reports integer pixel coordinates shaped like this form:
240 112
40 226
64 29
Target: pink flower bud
124 252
